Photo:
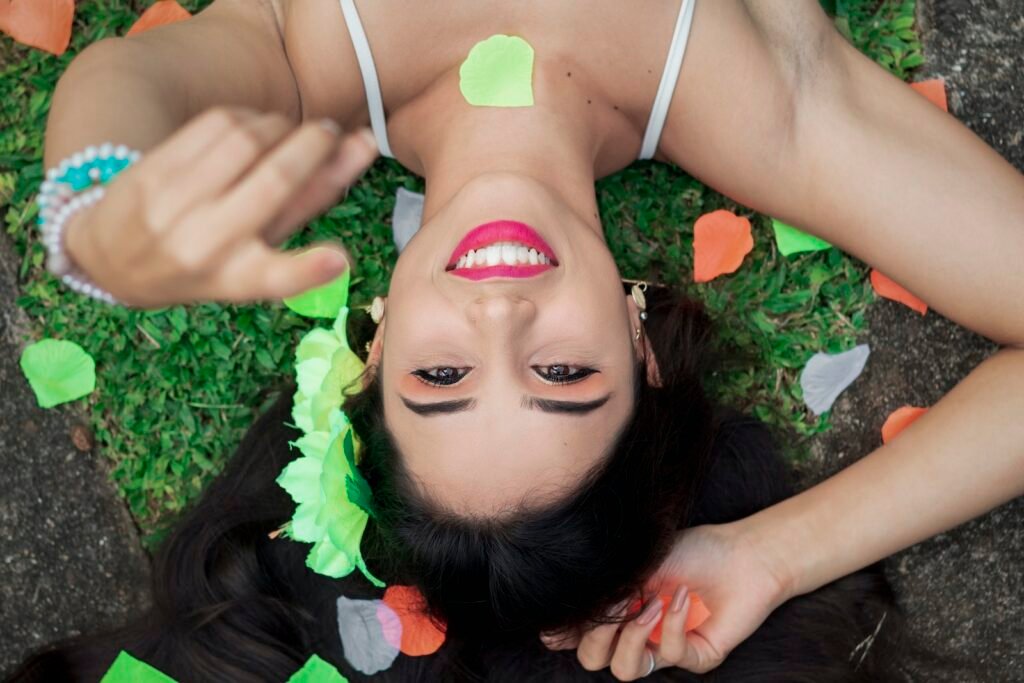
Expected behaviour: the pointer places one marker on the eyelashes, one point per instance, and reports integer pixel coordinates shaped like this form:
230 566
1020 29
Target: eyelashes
552 374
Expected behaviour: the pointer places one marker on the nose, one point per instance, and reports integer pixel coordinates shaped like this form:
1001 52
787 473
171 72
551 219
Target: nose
502 313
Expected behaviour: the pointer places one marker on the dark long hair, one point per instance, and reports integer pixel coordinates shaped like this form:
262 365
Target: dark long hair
231 604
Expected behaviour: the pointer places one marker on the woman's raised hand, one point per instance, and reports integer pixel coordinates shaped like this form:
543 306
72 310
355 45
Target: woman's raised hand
198 217
738 583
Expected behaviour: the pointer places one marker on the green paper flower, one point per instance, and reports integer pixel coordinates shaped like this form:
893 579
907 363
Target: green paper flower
58 371
325 367
334 501
317 670
324 301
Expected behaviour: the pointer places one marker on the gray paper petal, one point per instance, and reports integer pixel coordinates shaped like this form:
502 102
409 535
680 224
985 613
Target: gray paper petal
408 216
362 636
825 377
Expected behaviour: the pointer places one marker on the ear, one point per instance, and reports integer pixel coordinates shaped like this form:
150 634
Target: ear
642 347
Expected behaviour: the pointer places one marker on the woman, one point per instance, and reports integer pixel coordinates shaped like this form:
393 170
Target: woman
503 396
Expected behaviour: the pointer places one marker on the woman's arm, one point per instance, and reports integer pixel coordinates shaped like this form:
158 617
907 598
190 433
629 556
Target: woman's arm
138 90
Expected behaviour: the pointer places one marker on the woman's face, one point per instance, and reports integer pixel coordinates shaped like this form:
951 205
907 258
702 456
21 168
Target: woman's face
505 385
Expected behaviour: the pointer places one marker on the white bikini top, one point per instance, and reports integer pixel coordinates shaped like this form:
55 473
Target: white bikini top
655 125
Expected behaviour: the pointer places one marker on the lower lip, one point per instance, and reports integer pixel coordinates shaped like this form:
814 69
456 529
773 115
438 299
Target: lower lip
502 231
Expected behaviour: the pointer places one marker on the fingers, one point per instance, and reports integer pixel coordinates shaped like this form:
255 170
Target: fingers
263 193
190 141
631 659
688 651
258 272
597 646
565 640
355 154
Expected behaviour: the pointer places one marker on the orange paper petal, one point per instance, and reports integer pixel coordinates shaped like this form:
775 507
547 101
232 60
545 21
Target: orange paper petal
900 420
890 290
934 90
720 241
698 614
43 24
160 13
420 635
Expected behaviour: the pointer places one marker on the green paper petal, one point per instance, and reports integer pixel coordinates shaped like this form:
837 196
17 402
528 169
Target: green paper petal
58 371
366 572
304 527
325 559
318 343
346 530
358 491
340 326
317 670
313 445
301 479
498 73
324 301
792 241
127 669
310 374
302 413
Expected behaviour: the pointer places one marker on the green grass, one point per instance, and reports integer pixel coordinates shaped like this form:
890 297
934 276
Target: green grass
177 388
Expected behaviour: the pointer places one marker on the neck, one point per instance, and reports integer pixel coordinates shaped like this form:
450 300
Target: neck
554 145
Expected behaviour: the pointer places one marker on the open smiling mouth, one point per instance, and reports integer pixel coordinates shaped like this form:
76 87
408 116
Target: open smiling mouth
501 249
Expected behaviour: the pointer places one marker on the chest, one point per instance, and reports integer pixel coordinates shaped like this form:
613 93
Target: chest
619 47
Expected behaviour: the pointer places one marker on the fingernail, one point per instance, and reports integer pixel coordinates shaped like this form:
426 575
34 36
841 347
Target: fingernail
330 125
680 597
650 612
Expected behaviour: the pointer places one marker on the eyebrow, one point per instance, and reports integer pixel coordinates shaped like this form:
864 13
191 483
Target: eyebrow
529 402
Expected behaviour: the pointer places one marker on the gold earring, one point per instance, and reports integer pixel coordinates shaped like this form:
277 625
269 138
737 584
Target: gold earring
636 337
377 310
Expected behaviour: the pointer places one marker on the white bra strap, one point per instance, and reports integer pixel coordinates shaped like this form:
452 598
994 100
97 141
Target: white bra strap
673 65
374 101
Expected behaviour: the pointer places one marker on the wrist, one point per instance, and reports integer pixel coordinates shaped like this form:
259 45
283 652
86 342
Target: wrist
781 552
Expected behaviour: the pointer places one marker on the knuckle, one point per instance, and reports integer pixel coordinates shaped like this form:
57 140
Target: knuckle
219 116
246 142
590 662
618 670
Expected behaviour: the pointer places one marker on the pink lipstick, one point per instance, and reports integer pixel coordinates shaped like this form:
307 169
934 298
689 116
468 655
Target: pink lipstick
507 249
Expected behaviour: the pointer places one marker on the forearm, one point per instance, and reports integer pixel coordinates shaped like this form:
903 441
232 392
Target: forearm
105 96
961 459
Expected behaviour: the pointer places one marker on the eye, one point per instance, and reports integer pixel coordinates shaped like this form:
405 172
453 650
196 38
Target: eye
562 374
441 377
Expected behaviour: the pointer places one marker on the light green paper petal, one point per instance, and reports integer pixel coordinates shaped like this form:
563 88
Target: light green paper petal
323 301
346 529
318 343
317 670
304 527
301 479
310 374
325 559
792 241
313 444
340 381
58 371
127 669
340 326
302 413
498 73
366 572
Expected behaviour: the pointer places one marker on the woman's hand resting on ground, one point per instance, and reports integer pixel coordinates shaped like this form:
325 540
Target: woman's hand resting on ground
739 584
198 217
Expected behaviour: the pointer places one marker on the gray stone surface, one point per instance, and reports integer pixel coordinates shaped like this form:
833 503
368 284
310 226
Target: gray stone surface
962 591
70 559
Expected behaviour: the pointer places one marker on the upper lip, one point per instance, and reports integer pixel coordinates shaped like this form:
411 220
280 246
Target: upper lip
501 231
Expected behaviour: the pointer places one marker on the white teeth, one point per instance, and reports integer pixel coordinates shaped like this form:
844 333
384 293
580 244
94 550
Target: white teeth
508 254
462 263
533 258
470 259
522 254
543 258
493 255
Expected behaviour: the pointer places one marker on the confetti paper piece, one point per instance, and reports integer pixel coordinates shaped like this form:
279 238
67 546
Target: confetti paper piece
826 376
721 240
698 614
935 91
58 371
889 289
362 636
900 420
792 241
42 24
498 73
160 13
127 669
317 670
324 301
407 217
420 635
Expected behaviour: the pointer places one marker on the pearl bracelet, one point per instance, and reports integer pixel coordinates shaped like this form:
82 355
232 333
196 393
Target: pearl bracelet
75 184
